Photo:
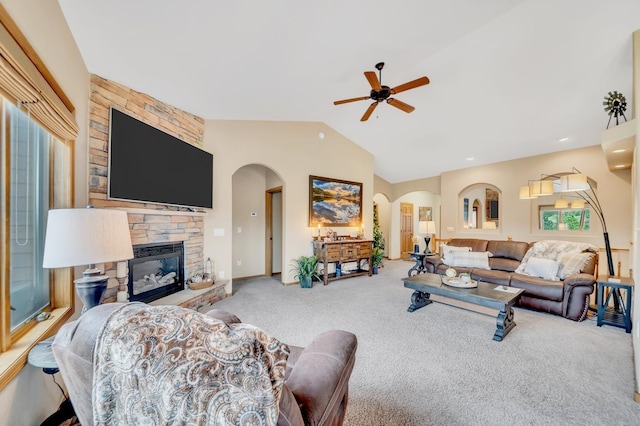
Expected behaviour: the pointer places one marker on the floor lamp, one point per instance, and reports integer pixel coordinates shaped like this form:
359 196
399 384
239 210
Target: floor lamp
86 237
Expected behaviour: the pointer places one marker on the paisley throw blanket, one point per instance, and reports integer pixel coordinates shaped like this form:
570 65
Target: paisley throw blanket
552 249
163 365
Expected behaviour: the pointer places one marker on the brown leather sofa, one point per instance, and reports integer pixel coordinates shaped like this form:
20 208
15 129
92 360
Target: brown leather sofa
316 379
568 298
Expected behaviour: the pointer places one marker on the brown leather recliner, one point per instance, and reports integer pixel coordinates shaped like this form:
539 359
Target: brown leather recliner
316 381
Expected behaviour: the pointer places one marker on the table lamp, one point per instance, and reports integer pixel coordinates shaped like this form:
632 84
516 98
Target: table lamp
427 227
85 237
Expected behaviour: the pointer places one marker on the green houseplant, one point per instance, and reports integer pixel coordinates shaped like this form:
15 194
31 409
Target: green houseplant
376 258
305 268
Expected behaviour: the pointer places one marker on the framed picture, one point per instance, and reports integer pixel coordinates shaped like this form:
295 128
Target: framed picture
334 202
425 214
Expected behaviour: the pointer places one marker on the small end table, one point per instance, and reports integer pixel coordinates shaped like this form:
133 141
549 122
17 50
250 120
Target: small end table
419 267
620 315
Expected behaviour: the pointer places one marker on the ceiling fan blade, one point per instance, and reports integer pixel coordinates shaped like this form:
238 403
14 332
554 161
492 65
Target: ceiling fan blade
344 101
400 105
410 85
373 80
369 110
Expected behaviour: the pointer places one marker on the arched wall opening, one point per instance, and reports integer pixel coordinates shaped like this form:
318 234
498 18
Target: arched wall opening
257 221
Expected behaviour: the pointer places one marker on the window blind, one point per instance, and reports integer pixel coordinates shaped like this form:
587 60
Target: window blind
22 82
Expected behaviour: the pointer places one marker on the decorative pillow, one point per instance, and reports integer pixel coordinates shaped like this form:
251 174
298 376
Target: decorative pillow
572 263
446 251
542 268
471 259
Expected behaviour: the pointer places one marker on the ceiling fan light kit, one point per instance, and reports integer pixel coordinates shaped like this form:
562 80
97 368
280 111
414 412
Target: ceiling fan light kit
380 93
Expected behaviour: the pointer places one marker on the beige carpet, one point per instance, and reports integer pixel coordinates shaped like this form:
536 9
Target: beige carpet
440 366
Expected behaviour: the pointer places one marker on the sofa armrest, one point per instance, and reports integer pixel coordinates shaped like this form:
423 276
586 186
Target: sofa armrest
224 316
431 263
580 279
320 377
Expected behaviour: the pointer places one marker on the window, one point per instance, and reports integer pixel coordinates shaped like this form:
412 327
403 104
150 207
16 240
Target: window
38 130
29 147
554 219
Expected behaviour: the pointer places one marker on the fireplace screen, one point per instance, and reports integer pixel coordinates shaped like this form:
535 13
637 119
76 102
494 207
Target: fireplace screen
156 271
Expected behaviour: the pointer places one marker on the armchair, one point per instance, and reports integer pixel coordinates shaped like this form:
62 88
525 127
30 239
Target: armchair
315 390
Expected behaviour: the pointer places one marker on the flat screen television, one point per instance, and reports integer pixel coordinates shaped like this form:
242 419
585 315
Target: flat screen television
151 166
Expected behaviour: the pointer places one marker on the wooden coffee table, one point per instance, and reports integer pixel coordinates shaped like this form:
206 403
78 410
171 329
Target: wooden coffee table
487 295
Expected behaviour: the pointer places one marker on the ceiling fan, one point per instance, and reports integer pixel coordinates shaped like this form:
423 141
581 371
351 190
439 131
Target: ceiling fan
380 93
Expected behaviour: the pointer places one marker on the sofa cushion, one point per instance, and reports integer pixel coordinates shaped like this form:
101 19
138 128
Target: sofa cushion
446 252
491 276
542 268
538 287
514 250
470 259
474 243
572 263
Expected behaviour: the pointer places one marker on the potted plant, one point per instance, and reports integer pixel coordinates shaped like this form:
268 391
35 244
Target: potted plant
376 259
306 269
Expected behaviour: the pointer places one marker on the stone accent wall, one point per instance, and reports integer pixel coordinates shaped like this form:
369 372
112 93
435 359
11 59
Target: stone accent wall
162 223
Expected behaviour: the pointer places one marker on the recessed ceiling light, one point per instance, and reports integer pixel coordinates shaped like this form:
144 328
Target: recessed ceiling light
321 135
619 166
563 139
617 151
469 158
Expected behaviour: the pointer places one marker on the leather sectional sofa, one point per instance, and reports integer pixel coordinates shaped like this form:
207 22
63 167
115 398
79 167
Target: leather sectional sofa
568 297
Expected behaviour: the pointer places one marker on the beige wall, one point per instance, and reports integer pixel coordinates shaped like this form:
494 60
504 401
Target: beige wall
31 397
293 151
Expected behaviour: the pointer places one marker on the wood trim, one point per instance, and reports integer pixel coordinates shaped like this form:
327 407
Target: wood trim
28 50
5 314
268 241
13 360
636 397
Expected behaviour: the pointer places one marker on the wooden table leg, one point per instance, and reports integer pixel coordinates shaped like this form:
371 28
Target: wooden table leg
504 322
418 300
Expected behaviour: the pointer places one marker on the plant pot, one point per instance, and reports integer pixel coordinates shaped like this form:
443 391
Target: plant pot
305 282
374 270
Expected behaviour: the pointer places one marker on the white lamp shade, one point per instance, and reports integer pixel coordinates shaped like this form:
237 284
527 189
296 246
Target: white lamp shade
489 225
541 188
525 193
86 236
427 227
573 182
577 204
561 204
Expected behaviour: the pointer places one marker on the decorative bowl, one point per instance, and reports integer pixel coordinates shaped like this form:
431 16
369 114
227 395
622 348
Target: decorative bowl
451 272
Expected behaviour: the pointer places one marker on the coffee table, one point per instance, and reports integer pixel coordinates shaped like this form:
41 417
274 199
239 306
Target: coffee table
487 295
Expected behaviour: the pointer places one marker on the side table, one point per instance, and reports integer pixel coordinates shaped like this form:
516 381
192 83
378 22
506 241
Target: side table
41 356
620 315
419 267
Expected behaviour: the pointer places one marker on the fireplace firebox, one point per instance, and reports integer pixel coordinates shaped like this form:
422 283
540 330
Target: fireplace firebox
157 270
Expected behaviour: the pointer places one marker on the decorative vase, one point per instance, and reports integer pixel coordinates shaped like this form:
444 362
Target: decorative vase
305 282
374 270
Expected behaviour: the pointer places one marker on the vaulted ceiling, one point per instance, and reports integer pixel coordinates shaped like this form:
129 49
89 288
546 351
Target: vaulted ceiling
509 78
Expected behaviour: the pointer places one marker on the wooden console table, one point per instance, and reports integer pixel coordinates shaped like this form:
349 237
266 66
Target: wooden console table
340 252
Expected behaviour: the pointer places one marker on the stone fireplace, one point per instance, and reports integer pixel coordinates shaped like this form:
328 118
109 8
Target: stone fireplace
156 271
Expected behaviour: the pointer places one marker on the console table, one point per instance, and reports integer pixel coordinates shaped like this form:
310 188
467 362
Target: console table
341 252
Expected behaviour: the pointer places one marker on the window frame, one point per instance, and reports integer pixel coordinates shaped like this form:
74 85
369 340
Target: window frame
15 347
551 208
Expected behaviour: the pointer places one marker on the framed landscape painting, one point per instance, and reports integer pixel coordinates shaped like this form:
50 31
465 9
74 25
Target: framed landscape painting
334 202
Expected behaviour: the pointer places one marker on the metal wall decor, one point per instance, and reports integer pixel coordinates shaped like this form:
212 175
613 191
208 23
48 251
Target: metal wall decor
615 104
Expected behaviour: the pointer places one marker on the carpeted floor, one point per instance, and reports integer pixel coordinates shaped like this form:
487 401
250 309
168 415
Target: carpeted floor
440 366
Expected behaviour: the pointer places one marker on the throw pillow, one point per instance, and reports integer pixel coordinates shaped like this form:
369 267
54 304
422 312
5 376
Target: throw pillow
446 251
471 259
542 268
572 263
